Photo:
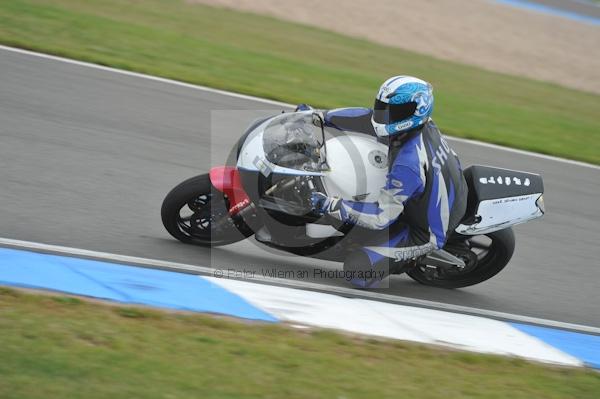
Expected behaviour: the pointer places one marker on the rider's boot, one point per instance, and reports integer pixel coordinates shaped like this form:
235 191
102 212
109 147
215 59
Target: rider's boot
362 273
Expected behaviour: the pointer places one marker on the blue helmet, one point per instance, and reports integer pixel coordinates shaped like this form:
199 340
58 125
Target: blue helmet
402 103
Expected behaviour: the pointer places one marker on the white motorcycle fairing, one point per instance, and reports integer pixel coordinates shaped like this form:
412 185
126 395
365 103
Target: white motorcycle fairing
356 166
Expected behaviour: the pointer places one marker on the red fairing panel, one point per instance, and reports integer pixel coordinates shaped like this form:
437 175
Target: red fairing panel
227 180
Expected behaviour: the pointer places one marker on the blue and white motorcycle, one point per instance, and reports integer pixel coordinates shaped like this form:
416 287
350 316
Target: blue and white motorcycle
279 161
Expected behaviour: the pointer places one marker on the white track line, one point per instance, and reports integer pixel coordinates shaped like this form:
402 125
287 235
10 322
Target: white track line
525 153
271 102
342 291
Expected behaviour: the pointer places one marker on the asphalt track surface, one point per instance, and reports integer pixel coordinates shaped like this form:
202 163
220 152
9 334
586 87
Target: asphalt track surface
87 155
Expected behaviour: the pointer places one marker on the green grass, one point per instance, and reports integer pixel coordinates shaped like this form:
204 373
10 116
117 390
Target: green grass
56 347
269 58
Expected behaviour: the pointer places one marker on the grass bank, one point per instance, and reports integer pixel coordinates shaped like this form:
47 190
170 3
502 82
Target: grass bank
62 347
294 63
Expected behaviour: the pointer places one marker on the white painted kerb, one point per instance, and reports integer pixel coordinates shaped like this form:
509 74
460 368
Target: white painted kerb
394 321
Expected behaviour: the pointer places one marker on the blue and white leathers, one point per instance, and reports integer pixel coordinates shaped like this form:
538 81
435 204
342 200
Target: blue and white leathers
424 181
405 180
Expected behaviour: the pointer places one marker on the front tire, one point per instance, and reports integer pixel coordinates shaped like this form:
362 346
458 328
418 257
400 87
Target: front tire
195 212
483 261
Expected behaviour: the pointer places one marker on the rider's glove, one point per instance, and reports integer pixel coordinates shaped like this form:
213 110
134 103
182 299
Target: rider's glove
322 204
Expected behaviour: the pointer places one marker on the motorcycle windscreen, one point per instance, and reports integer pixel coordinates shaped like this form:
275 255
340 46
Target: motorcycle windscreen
293 141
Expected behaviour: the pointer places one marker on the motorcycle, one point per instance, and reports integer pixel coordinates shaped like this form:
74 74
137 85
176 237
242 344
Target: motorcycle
265 191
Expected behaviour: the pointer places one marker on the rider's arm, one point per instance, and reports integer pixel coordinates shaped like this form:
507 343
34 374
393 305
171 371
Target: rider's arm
353 119
350 119
403 183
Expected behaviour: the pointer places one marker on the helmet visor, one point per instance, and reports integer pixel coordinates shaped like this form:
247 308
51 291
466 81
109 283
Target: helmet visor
386 113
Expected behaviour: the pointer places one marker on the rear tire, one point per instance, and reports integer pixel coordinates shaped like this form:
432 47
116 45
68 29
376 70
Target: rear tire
207 206
487 265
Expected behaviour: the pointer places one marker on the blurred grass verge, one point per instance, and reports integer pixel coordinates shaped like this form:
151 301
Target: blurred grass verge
57 347
265 57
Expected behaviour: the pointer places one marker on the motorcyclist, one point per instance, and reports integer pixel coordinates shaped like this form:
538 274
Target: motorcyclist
425 195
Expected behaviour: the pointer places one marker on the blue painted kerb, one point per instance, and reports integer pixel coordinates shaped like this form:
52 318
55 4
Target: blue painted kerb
585 347
121 283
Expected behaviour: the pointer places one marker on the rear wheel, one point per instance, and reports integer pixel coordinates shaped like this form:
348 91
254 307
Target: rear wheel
195 212
484 256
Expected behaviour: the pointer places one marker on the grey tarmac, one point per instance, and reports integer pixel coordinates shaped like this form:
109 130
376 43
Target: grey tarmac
87 156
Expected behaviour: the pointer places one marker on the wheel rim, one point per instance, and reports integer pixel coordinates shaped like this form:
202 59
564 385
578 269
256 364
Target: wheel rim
199 217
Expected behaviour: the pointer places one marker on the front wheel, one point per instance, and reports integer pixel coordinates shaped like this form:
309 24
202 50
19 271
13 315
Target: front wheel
484 256
195 212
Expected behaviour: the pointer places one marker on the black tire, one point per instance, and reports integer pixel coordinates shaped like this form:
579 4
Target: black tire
486 266
206 205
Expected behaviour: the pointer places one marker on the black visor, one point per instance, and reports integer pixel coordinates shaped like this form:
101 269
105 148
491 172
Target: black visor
391 113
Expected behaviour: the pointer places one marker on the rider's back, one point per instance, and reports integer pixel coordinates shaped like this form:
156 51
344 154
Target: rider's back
440 206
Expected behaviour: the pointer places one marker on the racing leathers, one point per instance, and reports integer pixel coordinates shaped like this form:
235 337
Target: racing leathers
424 198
